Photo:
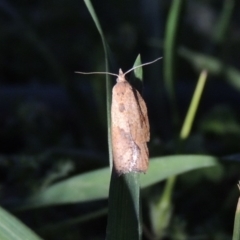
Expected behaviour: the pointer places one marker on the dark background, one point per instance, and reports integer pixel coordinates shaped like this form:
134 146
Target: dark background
53 121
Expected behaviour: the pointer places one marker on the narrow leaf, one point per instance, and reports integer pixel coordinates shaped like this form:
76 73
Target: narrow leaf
188 122
13 229
108 83
94 185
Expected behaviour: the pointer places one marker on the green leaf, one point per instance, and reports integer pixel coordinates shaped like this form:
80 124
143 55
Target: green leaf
138 72
108 83
12 229
163 167
94 185
170 50
161 210
224 22
188 122
124 213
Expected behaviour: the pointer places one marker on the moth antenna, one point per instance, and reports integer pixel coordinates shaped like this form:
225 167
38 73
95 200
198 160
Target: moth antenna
141 65
113 74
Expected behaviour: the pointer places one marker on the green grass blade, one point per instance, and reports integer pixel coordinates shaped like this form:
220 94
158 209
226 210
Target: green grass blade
138 72
162 168
108 83
124 221
13 229
169 54
223 24
95 185
162 210
188 122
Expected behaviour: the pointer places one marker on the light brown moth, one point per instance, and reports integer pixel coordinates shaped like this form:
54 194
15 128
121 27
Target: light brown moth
129 126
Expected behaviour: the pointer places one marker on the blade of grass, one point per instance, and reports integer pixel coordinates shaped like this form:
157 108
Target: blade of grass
220 33
161 211
108 84
138 72
124 221
94 185
13 229
188 122
170 54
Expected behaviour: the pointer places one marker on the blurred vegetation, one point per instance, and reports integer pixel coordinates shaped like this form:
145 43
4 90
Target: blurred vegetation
54 122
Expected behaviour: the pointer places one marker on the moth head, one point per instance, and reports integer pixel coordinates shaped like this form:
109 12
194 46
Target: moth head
121 76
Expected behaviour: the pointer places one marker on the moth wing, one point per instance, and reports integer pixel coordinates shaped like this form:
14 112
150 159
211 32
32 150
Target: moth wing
122 142
130 129
139 127
138 116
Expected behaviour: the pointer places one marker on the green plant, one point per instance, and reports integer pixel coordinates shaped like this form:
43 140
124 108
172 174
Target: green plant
125 212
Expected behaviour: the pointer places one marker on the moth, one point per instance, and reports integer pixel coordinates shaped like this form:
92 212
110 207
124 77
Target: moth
130 128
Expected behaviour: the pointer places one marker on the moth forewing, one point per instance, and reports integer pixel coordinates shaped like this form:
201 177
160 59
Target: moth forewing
130 128
144 135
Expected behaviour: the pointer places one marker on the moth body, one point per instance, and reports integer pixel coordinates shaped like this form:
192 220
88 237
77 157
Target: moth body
130 128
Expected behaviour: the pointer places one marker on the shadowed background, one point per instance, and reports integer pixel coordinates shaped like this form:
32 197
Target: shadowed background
53 122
